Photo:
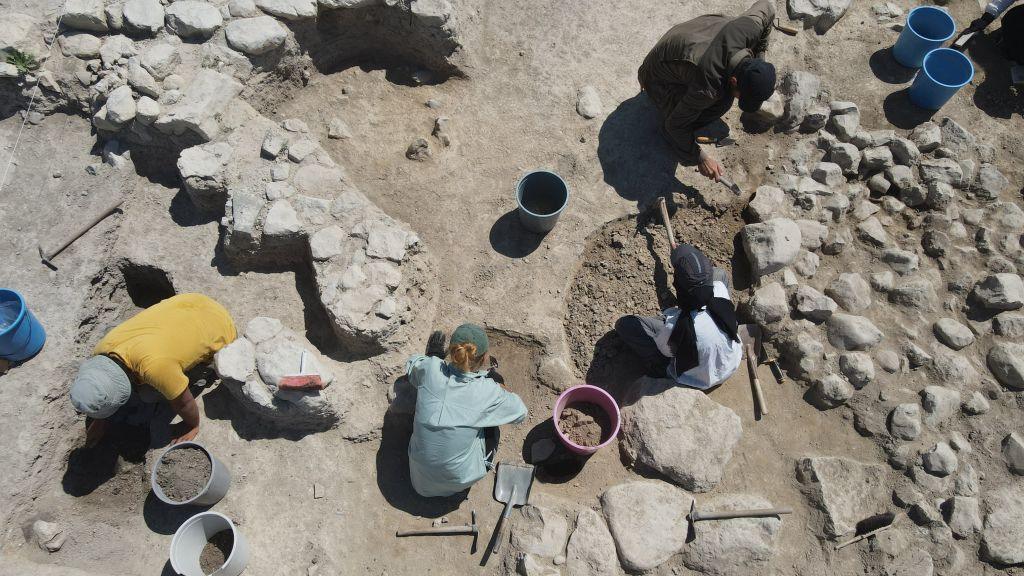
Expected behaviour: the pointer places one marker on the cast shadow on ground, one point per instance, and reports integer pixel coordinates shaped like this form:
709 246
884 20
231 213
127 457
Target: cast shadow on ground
89 468
635 159
510 238
220 404
393 472
994 96
902 113
184 213
885 67
165 519
561 465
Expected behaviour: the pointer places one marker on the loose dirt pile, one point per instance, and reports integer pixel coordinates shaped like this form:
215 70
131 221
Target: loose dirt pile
585 424
183 473
216 551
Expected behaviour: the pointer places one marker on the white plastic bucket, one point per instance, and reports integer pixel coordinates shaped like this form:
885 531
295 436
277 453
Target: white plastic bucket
190 539
216 486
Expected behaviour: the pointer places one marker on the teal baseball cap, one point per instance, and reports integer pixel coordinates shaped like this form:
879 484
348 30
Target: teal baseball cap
472 334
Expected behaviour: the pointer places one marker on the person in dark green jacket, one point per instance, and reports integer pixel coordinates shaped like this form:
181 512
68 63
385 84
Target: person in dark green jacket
699 67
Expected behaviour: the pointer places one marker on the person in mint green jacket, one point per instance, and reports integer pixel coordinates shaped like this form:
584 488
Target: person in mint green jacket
458 405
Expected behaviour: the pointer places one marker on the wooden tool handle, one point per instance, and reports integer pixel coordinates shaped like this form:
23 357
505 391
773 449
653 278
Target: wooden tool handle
49 255
663 207
762 407
440 530
729 514
786 28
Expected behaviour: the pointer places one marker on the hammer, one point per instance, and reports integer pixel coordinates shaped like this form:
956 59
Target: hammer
471 528
697 516
48 255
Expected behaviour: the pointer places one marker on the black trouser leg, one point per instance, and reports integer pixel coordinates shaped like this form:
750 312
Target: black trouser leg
638 333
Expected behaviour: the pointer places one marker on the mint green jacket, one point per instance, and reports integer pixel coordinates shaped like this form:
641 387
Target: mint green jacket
446 452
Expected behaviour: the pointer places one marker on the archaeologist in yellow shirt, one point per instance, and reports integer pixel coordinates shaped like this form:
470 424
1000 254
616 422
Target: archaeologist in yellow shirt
145 359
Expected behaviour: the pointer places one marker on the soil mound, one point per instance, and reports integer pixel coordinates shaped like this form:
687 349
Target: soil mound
183 473
585 424
216 551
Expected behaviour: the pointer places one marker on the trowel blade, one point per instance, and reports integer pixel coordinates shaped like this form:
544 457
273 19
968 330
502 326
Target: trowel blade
725 181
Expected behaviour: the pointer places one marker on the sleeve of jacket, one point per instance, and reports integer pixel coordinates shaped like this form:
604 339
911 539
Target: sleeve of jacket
763 13
681 123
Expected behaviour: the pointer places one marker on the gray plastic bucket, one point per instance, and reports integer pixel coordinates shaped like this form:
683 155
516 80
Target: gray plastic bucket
216 486
190 539
541 197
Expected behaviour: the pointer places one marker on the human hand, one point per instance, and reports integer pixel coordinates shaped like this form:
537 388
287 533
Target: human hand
710 167
182 432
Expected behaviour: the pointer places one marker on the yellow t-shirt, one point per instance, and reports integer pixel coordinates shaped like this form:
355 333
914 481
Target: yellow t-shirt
163 341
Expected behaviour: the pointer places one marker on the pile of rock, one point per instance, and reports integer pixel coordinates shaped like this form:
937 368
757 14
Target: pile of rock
887 264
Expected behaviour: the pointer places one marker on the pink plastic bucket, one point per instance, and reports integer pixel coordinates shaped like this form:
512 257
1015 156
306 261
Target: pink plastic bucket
593 395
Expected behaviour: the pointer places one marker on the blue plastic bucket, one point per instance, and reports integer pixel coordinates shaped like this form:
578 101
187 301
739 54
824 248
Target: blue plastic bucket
927 28
541 197
944 72
21 335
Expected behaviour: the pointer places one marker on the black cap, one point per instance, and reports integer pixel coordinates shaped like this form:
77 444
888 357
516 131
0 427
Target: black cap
755 79
691 267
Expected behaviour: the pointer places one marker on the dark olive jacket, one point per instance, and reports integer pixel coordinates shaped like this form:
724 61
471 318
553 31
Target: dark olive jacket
687 71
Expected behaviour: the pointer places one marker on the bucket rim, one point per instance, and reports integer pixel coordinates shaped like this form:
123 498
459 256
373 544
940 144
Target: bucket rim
21 312
562 401
519 193
941 51
931 9
155 487
193 520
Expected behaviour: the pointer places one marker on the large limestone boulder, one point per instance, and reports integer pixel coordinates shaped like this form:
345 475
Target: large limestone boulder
256 36
734 547
85 15
1006 361
193 19
591 550
647 519
818 14
203 102
844 491
680 433
202 170
771 246
541 532
1003 533
849 332
1004 291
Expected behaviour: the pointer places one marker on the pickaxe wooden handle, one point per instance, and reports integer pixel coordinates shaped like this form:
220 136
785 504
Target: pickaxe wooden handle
663 207
48 255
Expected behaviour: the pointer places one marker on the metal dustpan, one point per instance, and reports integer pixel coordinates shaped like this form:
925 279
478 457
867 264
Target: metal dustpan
512 486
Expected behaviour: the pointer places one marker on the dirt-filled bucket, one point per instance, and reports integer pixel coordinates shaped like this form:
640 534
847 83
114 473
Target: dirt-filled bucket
208 544
541 197
188 474
586 419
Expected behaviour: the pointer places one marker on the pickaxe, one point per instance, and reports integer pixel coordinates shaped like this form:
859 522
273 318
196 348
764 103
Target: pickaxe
697 516
471 528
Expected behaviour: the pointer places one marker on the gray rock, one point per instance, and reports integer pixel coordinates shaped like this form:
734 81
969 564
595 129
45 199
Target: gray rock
141 80
1003 534
966 483
845 125
588 102
916 355
915 293
952 333
741 546
147 110
831 391
934 243
837 240
647 520
976 404
876 158
812 304
850 291
846 156
889 361
940 460
912 562
770 246
1003 291
1009 325
893 206
541 532
812 233
85 15
282 220
991 182
845 491
1013 452
964 516
243 9
529 565
925 513
804 351
901 261
236 361
942 170
872 233
202 172
278 190
849 332
49 536
79 45
120 105
914 195
680 433
882 281
255 36
905 421
927 137
302 149
900 176
879 184
857 367
769 304
591 550
772 110
801 90
419 150
201 107
193 19
766 203
160 60
262 328
273 144
143 17
940 403
1006 361
289 9
940 195
432 12
904 151
338 130
828 173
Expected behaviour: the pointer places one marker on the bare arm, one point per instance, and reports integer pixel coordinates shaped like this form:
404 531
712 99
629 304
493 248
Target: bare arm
185 406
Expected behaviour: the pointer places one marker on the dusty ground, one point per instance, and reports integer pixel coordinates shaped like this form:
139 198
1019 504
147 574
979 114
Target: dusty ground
515 112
